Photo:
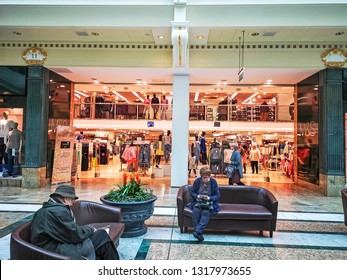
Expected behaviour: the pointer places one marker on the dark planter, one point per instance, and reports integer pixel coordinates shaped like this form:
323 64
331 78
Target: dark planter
134 215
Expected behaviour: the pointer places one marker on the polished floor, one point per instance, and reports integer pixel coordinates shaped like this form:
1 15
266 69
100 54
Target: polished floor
310 226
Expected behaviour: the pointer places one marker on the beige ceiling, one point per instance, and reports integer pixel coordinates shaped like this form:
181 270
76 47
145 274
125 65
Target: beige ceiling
150 35
142 25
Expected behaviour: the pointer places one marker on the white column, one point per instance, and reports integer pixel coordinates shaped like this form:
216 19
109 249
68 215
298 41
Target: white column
180 130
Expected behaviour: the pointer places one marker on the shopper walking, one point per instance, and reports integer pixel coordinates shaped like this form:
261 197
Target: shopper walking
254 156
236 166
192 164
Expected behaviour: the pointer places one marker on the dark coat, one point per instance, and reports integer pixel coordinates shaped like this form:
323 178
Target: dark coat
194 192
53 228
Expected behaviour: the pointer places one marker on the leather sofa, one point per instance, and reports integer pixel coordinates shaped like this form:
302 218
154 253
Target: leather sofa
344 203
242 208
85 212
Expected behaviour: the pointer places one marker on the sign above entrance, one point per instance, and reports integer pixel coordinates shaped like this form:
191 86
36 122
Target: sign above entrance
334 57
34 56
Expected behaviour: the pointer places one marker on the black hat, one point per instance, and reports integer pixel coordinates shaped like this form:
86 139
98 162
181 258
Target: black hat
65 191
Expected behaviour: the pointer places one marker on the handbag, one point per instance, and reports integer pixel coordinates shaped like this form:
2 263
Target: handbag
204 204
230 169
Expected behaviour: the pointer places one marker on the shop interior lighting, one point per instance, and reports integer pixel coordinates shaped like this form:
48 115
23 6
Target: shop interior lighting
234 95
249 98
120 96
81 93
196 98
79 97
135 93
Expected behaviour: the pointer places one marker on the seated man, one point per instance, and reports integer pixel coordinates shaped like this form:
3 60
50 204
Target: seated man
54 229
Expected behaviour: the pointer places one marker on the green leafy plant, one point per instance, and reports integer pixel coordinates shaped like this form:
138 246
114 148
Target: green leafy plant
130 190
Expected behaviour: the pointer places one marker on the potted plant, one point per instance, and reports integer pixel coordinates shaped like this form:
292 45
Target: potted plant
136 203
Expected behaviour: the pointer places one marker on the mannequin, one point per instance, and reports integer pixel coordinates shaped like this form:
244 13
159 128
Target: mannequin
4 129
167 146
14 146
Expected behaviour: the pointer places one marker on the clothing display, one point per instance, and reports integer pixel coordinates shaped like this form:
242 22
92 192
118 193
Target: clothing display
145 156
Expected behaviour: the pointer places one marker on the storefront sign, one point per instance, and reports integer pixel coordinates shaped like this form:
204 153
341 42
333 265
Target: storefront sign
308 129
63 153
34 56
334 57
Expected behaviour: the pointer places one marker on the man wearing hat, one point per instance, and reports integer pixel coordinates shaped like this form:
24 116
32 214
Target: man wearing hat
55 229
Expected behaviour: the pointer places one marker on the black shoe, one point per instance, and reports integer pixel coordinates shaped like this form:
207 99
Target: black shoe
198 236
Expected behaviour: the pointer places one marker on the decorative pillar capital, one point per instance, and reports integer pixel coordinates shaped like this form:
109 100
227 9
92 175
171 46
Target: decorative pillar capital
179 39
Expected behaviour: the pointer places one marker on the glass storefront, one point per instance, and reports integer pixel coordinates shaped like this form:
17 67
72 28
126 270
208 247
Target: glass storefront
308 132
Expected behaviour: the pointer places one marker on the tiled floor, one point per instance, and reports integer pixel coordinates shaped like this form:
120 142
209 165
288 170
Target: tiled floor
310 226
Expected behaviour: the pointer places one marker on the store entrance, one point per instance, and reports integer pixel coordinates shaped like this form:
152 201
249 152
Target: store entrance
107 154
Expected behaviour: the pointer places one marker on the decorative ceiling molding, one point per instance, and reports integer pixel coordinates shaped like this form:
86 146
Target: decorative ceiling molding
59 45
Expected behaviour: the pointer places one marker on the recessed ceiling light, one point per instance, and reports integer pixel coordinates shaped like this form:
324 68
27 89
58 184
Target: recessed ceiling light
161 37
200 37
255 34
95 33
17 33
339 33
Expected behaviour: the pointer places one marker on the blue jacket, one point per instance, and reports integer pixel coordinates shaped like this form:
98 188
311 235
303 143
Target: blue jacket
194 192
203 145
236 161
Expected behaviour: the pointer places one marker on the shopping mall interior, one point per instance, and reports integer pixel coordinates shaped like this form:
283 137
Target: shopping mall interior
246 73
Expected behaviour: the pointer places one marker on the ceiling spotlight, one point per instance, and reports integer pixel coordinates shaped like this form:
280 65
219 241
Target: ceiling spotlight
161 37
200 37
339 33
254 34
17 33
95 33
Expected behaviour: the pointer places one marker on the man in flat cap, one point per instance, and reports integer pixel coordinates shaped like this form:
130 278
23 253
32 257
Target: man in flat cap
55 229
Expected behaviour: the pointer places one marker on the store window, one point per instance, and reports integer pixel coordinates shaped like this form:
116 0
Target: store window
307 152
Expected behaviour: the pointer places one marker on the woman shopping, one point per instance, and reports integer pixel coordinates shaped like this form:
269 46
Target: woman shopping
235 166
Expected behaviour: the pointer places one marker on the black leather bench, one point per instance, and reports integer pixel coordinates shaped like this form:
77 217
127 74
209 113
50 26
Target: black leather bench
242 208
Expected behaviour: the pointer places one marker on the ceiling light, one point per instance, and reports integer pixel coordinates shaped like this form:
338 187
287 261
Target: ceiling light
200 37
161 37
95 33
255 34
196 96
249 98
234 94
17 33
77 96
135 93
268 81
120 96
81 93
339 33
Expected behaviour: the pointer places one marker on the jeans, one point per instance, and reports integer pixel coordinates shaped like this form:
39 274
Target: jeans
12 161
254 165
200 219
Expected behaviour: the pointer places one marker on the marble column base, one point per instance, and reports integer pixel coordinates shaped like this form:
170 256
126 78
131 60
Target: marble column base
332 184
34 177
